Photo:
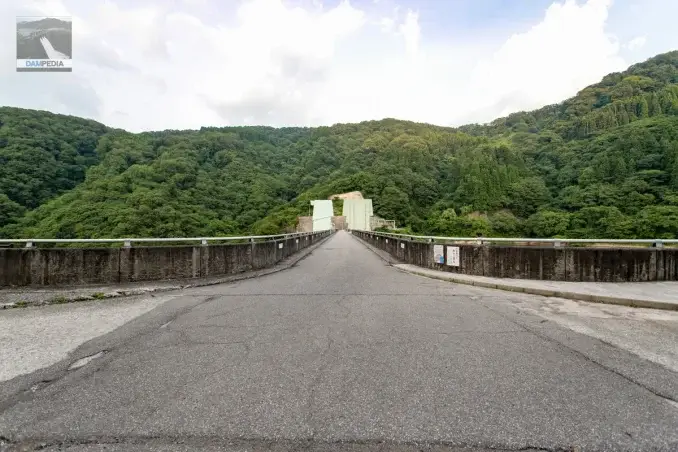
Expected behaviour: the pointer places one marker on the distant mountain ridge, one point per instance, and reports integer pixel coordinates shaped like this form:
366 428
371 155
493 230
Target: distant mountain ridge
45 23
653 82
602 164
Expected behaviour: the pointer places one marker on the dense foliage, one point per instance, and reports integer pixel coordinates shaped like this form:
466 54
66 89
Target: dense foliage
42 155
602 164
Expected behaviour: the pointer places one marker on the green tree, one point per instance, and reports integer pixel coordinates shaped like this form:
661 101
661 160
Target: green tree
643 109
545 224
393 204
9 210
527 195
607 158
601 222
657 222
504 224
654 107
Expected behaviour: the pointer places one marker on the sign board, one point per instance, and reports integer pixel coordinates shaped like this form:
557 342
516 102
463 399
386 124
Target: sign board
44 44
453 256
280 245
438 256
402 245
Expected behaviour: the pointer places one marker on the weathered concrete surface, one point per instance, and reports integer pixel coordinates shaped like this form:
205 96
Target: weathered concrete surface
649 333
344 352
304 224
236 264
33 338
654 295
79 266
543 263
338 222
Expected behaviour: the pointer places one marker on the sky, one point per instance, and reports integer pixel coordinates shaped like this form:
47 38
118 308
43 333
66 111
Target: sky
180 64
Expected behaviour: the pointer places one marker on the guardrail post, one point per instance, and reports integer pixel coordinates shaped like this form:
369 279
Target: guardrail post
251 240
204 259
127 244
125 264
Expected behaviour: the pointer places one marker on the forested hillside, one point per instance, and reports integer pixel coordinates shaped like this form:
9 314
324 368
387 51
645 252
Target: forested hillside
602 164
42 155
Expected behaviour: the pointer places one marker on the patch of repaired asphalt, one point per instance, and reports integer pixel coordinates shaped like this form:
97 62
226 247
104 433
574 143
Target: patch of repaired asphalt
38 337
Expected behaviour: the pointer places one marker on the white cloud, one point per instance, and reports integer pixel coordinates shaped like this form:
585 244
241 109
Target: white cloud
636 43
566 51
410 31
456 83
271 62
387 24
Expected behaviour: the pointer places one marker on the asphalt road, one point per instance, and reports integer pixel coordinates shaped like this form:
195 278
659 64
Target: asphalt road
343 352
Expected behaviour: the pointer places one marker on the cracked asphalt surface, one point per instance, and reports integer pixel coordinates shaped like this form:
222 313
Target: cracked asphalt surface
343 352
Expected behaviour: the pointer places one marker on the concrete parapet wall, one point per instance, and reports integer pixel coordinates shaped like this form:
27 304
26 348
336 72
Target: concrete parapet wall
77 266
546 263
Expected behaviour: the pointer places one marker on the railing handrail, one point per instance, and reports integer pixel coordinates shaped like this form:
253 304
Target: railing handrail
129 241
521 240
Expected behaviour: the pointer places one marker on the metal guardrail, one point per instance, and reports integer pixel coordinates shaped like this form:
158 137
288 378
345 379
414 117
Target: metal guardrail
658 243
128 241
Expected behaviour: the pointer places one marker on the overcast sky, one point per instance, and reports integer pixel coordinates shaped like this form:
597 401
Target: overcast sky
171 64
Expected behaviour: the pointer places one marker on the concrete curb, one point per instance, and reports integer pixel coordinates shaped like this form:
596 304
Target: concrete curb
631 302
620 301
50 299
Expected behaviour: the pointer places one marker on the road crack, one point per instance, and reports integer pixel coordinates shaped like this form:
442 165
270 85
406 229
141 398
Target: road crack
583 355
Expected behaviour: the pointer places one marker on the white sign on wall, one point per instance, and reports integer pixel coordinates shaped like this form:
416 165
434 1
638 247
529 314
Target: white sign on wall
438 256
402 245
453 256
280 245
